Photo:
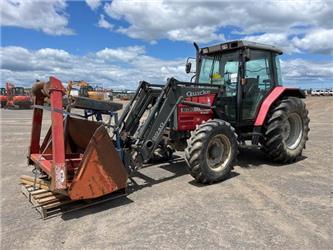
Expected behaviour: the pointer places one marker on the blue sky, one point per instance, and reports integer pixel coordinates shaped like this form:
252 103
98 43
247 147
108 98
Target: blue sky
119 43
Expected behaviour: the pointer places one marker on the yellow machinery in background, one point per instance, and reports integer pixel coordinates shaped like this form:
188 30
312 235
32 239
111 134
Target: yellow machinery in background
85 90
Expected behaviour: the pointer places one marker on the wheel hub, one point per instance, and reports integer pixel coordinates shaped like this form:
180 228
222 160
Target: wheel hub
293 130
218 152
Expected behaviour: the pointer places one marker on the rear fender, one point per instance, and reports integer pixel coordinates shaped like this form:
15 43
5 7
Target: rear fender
277 93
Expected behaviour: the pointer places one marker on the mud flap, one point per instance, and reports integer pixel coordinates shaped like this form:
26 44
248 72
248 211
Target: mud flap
101 170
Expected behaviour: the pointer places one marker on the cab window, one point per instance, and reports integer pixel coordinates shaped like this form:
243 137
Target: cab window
206 70
258 68
278 70
221 70
259 81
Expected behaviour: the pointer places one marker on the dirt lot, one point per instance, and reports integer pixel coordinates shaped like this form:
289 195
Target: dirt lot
262 206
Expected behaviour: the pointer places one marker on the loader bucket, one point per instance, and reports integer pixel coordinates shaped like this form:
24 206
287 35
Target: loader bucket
77 155
101 170
93 167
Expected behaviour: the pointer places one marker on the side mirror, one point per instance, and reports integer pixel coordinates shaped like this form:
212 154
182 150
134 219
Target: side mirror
188 67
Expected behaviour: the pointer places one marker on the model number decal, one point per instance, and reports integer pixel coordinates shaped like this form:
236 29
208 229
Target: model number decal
195 109
158 131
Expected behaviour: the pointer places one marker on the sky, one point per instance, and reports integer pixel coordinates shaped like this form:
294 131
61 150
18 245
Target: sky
118 43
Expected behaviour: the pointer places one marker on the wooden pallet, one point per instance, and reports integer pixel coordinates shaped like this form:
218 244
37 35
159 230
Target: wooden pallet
50 204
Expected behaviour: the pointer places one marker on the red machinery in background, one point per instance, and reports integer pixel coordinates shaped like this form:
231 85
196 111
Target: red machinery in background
14 96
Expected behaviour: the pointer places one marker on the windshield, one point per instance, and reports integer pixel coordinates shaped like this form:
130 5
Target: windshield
222 70
18 91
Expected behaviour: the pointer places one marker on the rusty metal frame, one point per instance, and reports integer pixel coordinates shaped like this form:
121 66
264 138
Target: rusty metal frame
55 90
77 155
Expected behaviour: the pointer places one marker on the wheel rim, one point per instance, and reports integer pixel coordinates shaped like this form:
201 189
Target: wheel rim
293 131
218 152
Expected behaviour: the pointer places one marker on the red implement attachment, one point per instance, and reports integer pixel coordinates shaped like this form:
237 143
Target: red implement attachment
78 155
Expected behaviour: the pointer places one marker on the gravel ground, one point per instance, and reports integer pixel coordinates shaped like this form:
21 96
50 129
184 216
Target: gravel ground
262 206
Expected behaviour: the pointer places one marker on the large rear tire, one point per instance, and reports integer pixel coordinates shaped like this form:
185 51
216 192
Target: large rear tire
211 151
286 130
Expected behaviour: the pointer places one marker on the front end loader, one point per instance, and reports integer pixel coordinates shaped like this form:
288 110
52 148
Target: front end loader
235 99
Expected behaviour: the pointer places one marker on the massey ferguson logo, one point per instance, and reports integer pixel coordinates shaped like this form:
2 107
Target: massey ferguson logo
196 93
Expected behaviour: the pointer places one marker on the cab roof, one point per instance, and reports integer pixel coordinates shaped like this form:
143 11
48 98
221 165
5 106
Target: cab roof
239 44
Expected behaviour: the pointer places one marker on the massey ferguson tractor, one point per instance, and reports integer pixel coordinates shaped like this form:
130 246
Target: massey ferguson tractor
235 98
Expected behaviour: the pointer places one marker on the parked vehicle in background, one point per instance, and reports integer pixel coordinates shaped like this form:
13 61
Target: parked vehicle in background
315 93
330 92
86 90
17 97
3 97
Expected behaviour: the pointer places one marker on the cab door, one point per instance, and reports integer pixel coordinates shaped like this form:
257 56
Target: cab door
225 72
259 81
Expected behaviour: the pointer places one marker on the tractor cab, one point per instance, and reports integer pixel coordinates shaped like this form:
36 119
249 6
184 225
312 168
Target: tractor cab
20 98
246 71
3 97
2 91
18 91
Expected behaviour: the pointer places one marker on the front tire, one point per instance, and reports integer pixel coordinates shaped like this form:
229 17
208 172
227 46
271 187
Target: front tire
211 151
286 130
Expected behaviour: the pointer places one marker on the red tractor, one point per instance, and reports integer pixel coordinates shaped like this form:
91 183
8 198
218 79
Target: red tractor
236 97
17 97
252 105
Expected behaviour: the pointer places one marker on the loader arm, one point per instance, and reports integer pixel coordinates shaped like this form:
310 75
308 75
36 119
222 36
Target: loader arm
145 95
145 141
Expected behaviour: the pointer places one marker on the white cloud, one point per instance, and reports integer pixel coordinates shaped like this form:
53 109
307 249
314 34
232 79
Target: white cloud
53 53
300 69
122 54
18 59
93 4
200 34
47 16
316 41
102 23
117 68
277 39
306 73
125 67
276 22
313 41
